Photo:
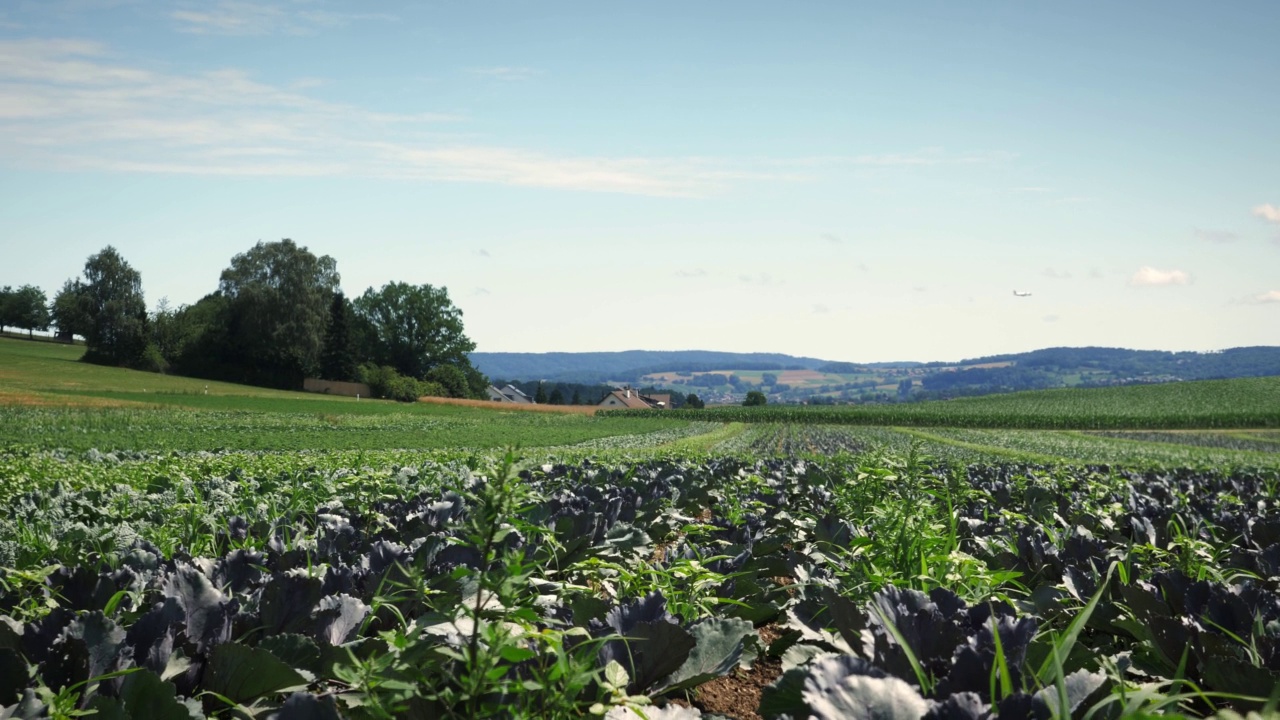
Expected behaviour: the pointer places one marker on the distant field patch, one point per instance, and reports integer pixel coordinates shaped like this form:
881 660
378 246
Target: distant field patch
794 378
517 407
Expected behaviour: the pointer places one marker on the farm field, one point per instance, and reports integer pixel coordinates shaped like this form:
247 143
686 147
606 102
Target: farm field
1235 403
278 555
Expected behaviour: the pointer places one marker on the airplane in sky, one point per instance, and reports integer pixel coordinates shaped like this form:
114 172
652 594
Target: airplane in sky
1020 293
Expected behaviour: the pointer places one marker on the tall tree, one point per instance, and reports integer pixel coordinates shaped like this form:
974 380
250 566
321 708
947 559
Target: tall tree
338 358
6 304
27 308
278 297
414 328
540 397
69 310
113 309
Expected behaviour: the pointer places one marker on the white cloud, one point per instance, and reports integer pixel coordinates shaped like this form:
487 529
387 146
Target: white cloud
1149 276
1218 237
820 309
694 273
73 105
1056 274
504 72
260 17
832 238
1268 212
1272 296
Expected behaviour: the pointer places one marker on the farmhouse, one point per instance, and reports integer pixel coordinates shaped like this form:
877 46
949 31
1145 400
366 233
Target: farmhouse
508 394
627 398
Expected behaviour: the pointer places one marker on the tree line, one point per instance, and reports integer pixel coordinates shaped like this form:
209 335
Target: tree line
278 316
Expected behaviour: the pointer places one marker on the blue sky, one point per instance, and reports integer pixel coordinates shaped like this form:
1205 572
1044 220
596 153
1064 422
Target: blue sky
840 180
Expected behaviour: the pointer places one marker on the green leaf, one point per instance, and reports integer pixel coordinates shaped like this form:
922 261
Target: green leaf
244 674
616 675
145 695
1062 649
716 652
785 696
297 651
514 654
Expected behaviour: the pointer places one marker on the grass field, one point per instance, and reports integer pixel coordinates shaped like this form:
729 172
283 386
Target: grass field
49 399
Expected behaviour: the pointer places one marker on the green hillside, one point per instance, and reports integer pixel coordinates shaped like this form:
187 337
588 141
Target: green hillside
1235 403
49 399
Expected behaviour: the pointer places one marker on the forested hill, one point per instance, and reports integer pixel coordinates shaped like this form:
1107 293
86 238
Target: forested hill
1235 362
1050 367
627 365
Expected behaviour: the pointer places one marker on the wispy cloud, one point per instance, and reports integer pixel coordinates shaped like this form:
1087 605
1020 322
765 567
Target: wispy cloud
1217 237
261 17
505 72
1056 274
934 156
832 238
761 280
1268 212
694 273
481 291
820 309
1052 318
73 105
1266 298
1147 276
482 252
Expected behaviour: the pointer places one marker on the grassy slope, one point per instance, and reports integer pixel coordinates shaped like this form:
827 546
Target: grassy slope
50 373
49 399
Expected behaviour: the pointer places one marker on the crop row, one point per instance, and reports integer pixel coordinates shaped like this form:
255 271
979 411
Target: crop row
379 586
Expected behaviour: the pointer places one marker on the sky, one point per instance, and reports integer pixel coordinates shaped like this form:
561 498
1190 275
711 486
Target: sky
840 180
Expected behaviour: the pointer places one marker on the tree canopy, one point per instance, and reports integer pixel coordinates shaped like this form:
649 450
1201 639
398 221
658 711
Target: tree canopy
414 328
338 359
278 297
68 313
111 304
25 308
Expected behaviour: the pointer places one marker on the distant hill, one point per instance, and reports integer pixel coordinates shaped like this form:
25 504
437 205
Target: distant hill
628 365
838 381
